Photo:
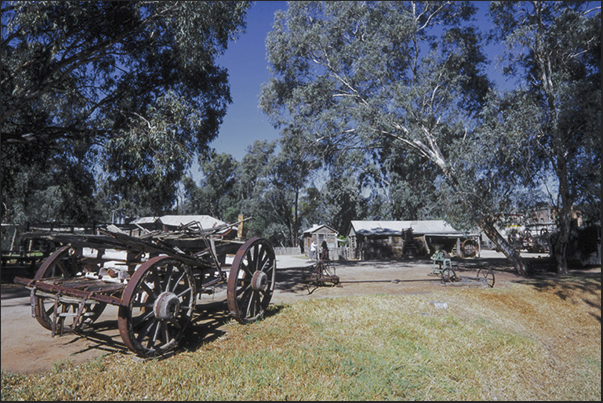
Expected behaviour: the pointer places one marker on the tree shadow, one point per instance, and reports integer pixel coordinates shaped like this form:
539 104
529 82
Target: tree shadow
586 283
10 291
289 279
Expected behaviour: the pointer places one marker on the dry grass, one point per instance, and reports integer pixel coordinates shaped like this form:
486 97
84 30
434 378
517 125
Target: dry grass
529 341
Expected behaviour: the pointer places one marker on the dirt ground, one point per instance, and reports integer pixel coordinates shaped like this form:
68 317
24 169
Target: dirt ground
27 347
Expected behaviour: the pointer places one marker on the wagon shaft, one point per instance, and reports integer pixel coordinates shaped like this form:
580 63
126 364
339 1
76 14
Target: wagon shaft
84 288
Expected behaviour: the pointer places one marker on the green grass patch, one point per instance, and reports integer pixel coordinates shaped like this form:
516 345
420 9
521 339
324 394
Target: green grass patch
358 348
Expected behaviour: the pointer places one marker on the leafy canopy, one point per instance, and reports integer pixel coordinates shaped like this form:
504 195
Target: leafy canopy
134 83
377 75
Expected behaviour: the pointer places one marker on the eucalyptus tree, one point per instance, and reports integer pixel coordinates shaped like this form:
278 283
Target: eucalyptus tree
555 47
363 73
216 194
252 169
134 83
289 172
252 185
341 199
410 186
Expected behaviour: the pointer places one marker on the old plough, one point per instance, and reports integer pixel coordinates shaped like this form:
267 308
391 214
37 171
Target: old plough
154 279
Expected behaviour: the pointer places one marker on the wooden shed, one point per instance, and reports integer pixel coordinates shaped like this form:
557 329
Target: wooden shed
398 239
320 233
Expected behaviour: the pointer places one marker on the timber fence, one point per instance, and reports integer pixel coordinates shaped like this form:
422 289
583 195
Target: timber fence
334 254
280 250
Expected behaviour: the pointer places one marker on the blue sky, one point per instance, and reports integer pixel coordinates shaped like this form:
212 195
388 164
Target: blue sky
247 66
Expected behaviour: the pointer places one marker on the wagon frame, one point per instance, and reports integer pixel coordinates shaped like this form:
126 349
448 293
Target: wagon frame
153 279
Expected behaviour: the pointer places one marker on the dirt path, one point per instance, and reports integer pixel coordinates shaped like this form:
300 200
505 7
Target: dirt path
27 347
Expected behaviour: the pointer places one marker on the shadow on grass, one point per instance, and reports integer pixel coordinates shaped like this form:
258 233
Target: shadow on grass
586 283
208 322
103 335
206 327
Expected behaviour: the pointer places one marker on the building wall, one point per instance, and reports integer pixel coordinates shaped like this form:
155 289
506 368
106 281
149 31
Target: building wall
397 247
322 234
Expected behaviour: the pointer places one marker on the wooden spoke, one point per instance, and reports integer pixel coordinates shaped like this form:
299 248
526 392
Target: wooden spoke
156 309
61 266
251 280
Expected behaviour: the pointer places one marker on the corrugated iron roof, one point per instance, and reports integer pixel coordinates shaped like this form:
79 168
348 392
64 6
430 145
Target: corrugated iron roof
378 227
145 220
316 227
396 227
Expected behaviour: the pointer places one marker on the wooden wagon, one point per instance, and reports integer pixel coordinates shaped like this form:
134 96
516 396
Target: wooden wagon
154 279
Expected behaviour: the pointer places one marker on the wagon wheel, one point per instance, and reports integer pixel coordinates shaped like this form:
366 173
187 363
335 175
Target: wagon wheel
157 306
488 274
62 266
251 280
469 248
448 275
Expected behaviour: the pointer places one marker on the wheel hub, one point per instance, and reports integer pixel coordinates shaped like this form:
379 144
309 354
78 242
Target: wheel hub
259 282
166 306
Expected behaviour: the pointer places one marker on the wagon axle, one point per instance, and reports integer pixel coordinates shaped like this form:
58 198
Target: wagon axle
167 306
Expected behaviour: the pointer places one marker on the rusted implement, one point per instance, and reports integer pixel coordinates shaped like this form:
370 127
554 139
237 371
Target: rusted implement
442 267
154 279
320 274
484 275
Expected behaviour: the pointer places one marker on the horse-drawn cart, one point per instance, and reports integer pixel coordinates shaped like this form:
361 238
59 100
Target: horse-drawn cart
154 279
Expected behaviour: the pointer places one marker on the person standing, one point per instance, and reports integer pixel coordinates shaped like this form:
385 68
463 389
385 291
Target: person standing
324 254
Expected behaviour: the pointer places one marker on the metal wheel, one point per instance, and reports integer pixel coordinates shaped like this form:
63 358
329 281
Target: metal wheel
448 275
158 305
488 274
310 277
61 266
251 280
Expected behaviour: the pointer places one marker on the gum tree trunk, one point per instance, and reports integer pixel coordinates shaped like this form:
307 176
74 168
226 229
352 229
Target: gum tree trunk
511 254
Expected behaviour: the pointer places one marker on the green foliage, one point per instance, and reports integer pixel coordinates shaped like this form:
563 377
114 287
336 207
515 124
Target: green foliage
58 188
410 78
340 200
252 188
404 79
558 111
215 195
134 83
411 184
556 48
